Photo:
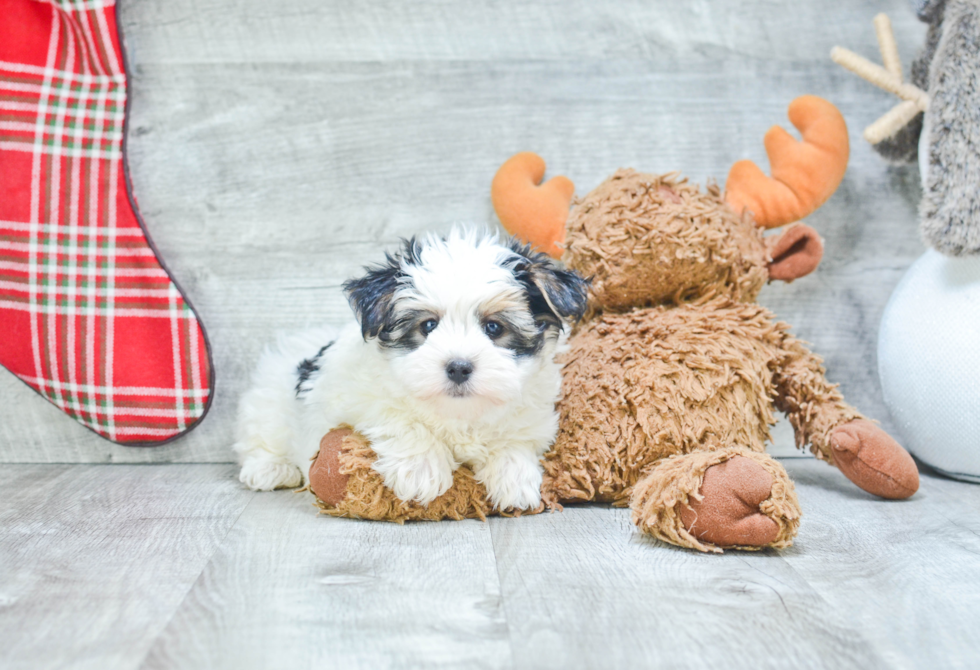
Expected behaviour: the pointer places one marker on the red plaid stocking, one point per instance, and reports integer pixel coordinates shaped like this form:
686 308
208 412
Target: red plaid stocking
89 318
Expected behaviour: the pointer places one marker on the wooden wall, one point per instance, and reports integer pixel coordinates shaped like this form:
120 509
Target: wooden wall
277 147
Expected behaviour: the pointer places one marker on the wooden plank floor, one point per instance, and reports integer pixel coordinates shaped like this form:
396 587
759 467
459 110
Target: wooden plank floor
177 566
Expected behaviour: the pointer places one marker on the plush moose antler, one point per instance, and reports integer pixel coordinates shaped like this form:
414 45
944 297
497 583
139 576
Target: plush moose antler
804 174
532 211
889 78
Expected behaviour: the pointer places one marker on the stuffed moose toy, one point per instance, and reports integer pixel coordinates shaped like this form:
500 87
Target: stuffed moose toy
671 378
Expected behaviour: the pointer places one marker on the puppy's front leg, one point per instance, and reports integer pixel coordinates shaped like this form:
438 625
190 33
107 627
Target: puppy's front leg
512 476
415 465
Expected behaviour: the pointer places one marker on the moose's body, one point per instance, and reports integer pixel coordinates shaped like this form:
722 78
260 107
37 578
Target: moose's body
656 382
676 368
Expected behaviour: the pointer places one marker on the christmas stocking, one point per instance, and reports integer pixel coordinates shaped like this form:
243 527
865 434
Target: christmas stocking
89 318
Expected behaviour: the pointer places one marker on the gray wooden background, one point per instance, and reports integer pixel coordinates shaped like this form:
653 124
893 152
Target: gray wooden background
276 147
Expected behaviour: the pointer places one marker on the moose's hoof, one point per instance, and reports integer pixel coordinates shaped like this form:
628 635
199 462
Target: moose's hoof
728 514
326 481
870 458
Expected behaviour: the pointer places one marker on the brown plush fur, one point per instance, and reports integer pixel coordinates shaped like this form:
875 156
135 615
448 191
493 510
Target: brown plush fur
648 239
656 382
368 498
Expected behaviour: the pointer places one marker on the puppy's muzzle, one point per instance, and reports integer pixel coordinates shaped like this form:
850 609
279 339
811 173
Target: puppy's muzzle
459 371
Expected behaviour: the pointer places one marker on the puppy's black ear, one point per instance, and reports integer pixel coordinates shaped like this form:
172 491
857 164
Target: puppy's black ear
566 291
372 296
562 293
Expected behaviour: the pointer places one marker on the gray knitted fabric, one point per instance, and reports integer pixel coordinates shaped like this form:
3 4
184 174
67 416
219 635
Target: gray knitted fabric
950 207
949 70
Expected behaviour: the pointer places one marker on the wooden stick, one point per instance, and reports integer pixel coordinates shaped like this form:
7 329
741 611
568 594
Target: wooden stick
887 46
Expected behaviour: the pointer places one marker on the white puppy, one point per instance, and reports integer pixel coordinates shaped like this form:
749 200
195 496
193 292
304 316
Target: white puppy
452 362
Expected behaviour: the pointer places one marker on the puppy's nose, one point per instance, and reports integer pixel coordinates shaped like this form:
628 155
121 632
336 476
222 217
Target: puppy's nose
459 371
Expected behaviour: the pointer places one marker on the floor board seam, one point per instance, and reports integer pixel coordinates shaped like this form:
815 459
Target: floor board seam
500 590
192 583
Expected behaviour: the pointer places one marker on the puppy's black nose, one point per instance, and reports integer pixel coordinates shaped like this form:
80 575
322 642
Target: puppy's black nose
459 371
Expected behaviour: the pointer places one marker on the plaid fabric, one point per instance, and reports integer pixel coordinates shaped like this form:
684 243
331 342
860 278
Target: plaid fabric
88 316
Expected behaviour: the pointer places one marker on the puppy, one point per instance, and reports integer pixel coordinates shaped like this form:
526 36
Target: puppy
451 361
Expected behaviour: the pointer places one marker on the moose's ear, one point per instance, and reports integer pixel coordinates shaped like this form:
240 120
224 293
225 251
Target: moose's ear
795 253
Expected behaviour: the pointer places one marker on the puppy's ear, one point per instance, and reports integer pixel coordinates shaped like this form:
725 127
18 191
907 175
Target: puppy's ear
566 291
372 296
551 289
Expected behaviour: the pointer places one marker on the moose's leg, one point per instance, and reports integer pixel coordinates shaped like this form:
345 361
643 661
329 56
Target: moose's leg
835 431
725 498
345 484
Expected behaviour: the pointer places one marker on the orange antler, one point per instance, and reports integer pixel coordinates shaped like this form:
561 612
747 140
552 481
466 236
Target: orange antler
533 213
804 174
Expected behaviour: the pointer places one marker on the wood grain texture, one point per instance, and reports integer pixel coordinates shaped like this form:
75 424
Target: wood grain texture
582 590
176 566
868 584
277 148
905 573
94 560
291 589
216 31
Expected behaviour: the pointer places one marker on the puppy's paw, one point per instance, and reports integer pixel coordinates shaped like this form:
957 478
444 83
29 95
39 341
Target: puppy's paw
513 480
421 478
264 475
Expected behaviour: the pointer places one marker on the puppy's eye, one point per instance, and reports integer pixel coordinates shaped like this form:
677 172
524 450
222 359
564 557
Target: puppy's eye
428 326
493 329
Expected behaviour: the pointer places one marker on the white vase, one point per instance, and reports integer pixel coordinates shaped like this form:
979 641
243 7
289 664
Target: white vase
929 362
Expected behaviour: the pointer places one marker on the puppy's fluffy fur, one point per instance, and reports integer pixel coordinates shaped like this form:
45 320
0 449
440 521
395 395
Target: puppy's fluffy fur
451 362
